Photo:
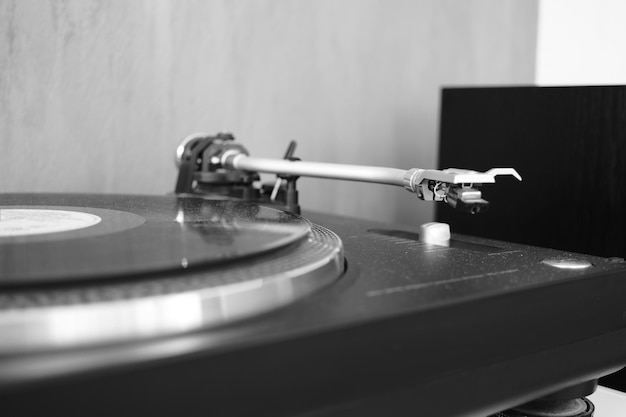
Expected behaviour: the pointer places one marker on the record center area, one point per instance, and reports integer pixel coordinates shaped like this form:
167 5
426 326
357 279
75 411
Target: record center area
30 221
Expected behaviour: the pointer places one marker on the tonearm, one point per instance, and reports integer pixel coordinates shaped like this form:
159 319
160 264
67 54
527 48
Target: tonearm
218 166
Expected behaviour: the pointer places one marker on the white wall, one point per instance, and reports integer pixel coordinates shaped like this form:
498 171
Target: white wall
581 42
95 95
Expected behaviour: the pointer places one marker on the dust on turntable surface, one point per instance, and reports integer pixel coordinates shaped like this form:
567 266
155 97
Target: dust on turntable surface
145 266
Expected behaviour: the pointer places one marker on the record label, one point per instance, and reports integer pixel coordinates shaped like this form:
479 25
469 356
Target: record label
23 222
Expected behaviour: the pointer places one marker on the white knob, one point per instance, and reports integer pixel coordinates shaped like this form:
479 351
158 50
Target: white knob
435 233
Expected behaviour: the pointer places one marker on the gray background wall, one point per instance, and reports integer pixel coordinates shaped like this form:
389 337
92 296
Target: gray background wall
95 95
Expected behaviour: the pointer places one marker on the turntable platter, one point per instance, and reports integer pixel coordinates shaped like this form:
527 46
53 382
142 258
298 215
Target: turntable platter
79 270
53 239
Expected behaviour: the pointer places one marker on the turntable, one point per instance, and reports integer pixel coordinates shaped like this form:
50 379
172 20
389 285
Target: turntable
223 300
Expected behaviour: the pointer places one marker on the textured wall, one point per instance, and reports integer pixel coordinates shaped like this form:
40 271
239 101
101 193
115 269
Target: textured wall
95 95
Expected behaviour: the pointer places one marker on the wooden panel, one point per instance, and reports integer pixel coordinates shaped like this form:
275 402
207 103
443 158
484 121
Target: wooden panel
95 95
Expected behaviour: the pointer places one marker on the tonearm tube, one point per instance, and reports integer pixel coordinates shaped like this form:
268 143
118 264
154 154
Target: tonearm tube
218 165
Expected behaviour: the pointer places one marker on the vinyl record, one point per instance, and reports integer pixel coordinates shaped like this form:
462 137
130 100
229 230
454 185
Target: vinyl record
53 239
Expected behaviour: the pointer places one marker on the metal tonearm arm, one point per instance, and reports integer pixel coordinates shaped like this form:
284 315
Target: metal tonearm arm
457 187
221 155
